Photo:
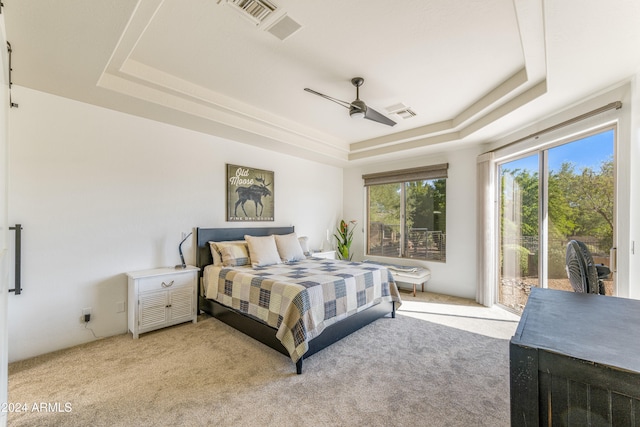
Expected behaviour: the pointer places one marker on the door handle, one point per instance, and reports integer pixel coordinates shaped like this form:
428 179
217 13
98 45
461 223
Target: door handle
613 259
18 260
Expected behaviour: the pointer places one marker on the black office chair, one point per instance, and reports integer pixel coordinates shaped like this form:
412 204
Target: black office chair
584 275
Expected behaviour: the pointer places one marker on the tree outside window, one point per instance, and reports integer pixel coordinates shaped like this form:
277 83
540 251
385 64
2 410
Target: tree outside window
408 219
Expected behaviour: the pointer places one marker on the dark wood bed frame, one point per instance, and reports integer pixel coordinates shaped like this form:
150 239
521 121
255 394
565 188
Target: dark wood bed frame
258 330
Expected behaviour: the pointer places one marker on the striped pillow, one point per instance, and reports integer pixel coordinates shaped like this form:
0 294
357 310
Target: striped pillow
215 253
234 254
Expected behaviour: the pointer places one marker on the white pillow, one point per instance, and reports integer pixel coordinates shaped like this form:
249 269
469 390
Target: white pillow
304 244
262 250
289 247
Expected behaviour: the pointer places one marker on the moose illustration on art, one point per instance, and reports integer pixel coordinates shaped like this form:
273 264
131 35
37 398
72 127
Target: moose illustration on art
246 184
254 193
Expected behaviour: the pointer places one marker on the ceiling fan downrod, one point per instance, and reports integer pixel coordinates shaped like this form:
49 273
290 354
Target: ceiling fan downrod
358 108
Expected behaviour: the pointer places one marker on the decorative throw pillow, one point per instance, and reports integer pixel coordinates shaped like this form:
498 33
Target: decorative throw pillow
304 244
262 250
215 254
234 253
289 247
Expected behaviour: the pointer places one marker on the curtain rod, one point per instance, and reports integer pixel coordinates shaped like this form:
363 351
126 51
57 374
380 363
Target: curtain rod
614 105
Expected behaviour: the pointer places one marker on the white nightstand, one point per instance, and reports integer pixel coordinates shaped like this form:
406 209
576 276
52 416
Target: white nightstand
324 254
161 297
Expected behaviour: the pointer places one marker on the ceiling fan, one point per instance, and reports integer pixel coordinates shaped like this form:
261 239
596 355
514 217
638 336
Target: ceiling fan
357 108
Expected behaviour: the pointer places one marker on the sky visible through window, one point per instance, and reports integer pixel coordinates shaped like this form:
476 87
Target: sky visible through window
587 152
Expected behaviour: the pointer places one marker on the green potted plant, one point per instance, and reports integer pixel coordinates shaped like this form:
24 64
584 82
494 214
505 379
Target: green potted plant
344 238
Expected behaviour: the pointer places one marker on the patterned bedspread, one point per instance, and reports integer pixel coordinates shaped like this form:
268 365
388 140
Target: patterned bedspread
302 298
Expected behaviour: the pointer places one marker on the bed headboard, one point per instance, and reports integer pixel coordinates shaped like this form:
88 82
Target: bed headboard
205 235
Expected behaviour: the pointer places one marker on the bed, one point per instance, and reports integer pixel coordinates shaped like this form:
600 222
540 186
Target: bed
279 304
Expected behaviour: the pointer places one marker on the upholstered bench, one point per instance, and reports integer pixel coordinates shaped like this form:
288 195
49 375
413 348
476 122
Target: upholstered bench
405 274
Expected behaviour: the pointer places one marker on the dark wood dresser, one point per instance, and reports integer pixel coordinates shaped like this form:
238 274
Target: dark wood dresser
575 361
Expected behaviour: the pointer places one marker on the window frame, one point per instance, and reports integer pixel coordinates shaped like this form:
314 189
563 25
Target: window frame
404 176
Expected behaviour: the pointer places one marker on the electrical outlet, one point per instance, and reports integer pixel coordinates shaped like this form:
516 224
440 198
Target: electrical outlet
86 315
183 234
120 307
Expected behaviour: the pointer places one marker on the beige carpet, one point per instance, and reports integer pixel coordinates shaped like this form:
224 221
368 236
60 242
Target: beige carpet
441 362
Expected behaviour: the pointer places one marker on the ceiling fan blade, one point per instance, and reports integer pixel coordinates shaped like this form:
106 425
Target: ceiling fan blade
345 104
373 115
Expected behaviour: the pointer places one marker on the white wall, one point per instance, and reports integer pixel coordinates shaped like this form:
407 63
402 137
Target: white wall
100 193
456 276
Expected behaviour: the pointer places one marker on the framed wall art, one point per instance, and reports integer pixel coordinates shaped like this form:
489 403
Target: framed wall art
249 194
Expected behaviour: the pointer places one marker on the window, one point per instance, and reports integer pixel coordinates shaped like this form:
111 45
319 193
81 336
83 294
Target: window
406 214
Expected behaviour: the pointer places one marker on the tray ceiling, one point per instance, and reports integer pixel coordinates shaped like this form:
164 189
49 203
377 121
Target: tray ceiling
463 67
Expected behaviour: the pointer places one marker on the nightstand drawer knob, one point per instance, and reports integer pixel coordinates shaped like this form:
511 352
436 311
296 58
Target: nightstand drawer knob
164 285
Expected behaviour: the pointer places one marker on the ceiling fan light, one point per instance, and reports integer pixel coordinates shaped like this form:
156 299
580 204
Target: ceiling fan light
358 109
356 113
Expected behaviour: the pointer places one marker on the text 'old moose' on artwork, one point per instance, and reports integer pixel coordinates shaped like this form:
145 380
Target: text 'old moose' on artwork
249 194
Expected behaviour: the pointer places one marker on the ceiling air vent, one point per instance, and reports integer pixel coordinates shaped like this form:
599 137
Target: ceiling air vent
406 113
284 27
255 10
401 110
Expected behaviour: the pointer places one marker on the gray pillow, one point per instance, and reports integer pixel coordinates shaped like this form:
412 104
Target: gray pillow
289 247
262 250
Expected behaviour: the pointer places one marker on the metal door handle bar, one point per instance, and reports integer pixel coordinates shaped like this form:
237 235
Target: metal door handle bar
18 228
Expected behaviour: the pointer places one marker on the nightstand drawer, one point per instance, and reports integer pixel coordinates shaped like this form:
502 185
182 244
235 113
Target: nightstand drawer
167 281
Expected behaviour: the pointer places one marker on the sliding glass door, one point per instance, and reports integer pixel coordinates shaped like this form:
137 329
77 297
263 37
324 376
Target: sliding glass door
519 230
562 192
581 197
